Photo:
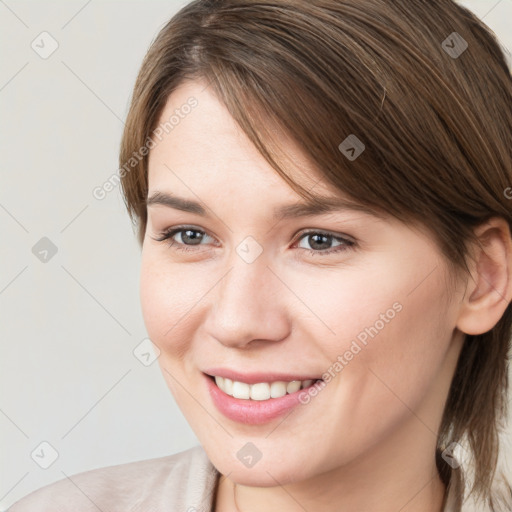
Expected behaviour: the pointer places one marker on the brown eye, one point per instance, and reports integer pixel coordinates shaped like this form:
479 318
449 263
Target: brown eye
322 243
190 236
187 238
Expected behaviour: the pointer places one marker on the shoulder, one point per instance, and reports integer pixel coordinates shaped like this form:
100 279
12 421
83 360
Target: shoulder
180 481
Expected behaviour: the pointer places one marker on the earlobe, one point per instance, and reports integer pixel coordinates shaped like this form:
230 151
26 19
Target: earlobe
489 287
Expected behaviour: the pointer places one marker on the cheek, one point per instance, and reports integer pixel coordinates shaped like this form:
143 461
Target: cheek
167 295
387 312
392 343
384 315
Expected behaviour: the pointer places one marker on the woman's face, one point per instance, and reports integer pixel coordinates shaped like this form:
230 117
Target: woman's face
358 301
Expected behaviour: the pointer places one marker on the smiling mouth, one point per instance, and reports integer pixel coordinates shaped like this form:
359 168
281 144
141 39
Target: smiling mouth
260 391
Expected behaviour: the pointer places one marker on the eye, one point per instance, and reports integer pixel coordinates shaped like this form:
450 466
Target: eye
187 238
318 240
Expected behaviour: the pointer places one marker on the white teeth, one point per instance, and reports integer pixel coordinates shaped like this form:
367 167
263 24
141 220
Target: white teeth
277 389
228 386
293 386
241 390
261 390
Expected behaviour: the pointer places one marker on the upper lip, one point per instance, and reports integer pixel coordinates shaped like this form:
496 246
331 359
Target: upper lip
256 377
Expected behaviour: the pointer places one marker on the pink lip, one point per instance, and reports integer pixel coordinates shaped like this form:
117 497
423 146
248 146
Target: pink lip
255 378
252 412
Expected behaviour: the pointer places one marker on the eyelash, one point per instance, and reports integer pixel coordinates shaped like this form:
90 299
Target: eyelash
169 233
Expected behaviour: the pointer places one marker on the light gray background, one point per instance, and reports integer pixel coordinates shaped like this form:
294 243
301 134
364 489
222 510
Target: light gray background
69 325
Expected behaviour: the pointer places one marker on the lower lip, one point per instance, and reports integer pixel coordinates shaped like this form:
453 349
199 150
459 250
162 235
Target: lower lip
251 412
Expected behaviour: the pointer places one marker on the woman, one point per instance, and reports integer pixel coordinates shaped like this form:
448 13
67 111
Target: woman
322 192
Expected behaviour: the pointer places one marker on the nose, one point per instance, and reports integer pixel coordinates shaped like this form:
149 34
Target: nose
248 306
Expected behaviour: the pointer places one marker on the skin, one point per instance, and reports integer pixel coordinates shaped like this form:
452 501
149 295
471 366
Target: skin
367 441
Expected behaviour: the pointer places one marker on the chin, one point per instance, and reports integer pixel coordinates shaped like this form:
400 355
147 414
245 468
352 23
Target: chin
264 473
260 478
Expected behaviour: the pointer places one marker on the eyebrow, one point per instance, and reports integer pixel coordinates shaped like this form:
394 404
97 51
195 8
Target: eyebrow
325 205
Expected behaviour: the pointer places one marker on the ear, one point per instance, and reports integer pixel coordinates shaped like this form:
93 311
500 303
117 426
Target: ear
489 287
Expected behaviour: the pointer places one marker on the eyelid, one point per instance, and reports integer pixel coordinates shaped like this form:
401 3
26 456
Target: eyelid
167 233
300 234
347 241
325 232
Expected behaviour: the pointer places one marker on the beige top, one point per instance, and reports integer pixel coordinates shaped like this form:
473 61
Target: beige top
183 482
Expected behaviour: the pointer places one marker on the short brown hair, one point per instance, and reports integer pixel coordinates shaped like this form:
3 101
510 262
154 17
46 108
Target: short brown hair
435 118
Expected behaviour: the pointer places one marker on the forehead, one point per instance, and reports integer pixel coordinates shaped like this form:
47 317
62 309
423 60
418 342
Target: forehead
206 145
204 157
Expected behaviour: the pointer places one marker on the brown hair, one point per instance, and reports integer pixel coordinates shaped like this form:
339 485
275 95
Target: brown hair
434 116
